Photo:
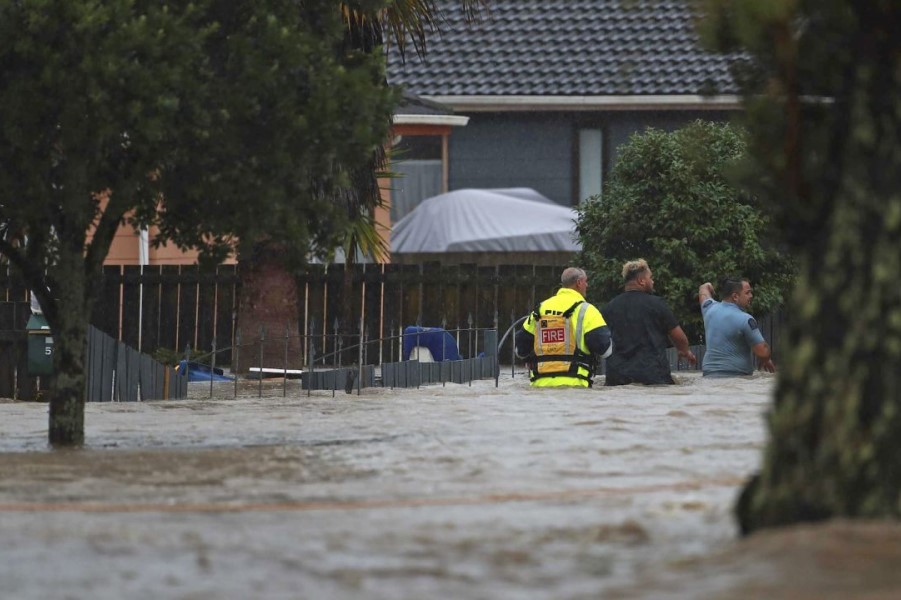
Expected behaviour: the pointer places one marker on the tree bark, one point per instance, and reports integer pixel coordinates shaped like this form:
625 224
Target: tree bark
67 398
268 300
835 427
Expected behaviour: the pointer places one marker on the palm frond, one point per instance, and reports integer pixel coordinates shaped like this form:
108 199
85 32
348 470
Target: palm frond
407 21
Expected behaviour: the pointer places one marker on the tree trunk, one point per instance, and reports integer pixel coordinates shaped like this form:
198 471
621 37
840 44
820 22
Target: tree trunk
67 398
268 302
835 427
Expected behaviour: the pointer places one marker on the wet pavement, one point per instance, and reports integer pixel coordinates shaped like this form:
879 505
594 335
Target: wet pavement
452 491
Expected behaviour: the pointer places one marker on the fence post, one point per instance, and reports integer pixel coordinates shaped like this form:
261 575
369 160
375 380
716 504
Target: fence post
443 353
360 357
471 350
339 339
236 363
418 329
285 379
311 358
312 370
187 362
490 342
512 345
308 343
262 339
212 366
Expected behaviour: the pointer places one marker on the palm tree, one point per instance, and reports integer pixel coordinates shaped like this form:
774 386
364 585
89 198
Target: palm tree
371 30
371 26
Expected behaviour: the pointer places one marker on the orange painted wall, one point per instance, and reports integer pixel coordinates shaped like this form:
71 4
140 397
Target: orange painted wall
125 249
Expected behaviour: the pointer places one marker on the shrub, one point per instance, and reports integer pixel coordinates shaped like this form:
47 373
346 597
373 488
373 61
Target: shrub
669 200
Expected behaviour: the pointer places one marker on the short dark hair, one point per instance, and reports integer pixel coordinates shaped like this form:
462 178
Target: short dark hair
731 284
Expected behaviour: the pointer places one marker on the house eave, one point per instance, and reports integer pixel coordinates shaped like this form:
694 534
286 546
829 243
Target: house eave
585 103
438 120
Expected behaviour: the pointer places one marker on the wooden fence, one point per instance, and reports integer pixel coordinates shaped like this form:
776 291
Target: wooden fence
168 306
333 304
14 381
172 307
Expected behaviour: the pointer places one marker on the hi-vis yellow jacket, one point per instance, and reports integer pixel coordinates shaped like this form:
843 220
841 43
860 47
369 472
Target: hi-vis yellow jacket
560 353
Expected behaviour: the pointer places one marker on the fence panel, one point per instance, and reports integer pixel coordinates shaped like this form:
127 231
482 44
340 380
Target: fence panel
225 302
117 372
105 315
170 285
187 306
171 306
149 305
372 314
14 382
102 358
314 311
206 310
132 304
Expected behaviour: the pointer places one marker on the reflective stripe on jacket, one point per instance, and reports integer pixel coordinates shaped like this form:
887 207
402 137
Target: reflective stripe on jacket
573 369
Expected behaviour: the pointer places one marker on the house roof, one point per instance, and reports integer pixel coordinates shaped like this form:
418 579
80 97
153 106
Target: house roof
413 110
576 49
411 104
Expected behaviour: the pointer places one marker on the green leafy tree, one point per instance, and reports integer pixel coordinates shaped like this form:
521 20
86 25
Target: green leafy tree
670 201
213 120
822 88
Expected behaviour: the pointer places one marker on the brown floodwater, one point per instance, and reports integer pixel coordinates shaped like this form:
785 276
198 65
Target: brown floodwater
452 491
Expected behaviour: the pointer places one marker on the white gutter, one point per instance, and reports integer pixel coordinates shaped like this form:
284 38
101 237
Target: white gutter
452 120
143 247
570 103
143 260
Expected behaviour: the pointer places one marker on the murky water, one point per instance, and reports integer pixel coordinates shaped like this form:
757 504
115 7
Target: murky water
441 492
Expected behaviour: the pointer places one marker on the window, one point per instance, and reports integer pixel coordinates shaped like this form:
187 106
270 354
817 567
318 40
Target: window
419 170
591 162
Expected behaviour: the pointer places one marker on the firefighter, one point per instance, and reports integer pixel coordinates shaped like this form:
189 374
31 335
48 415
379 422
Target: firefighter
564 336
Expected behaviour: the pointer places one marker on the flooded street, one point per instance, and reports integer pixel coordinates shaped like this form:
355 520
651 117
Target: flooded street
452 491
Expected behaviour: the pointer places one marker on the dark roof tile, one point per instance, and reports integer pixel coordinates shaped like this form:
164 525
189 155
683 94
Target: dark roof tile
565 47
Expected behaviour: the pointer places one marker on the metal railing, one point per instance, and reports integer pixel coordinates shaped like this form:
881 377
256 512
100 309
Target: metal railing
345 362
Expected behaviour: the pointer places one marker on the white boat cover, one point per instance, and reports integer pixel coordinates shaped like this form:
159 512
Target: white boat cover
486 220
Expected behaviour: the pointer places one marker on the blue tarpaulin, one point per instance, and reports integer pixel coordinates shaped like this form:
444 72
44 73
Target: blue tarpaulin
439 342
201 372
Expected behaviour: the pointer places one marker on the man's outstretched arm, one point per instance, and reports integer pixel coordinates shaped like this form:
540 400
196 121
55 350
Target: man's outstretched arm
705 293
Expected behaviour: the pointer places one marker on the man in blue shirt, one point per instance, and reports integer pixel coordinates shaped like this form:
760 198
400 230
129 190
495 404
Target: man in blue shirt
733 337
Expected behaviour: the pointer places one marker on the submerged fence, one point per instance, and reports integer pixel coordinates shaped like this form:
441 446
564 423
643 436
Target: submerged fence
169 307
338 312
118 373
114 371
330 372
